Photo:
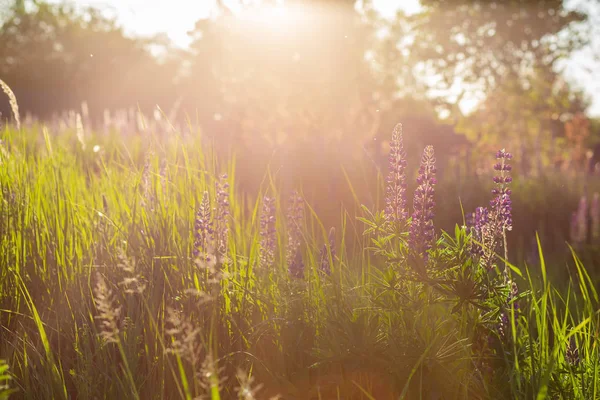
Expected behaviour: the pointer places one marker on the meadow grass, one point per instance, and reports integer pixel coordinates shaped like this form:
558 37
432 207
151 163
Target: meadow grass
120 278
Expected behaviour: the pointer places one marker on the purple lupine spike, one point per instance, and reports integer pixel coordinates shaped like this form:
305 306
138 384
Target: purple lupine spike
512 296
296 265
501 203
499 216
395 196
295 220
572 353
267 233
480 219
422 231
470 221
325 265
222 214
503 326
203 228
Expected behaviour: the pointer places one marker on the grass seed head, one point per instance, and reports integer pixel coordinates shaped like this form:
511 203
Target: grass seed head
14 106
109 312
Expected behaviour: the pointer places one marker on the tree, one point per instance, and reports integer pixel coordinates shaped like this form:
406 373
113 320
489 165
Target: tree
56 57
474 46
283 73
527 116
505 55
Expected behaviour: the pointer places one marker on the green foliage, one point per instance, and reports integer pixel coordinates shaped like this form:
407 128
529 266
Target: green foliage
76 55
481 44
101 296
5 378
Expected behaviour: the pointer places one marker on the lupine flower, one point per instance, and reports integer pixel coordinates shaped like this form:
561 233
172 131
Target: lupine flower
422 231
503 326
203 230
296 265
295 219
395 196
499 216
325 266
572 354
501 204
267 233
222 215
595 217
479 220
512 295
579 219
470 221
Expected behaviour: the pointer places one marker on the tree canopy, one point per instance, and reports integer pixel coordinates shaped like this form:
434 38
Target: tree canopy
312 74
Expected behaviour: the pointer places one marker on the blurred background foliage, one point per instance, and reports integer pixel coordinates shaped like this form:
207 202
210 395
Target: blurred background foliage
313 93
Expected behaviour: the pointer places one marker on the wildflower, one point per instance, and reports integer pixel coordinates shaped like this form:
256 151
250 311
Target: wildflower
296 265
470 221
503 326
267 233
203 229
295 219
222 215
395 196
325 266
479 220
572 354
501 204
422 230
499 217
512 296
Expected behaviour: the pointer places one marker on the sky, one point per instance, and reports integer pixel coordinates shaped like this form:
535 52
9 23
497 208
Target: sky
176 18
